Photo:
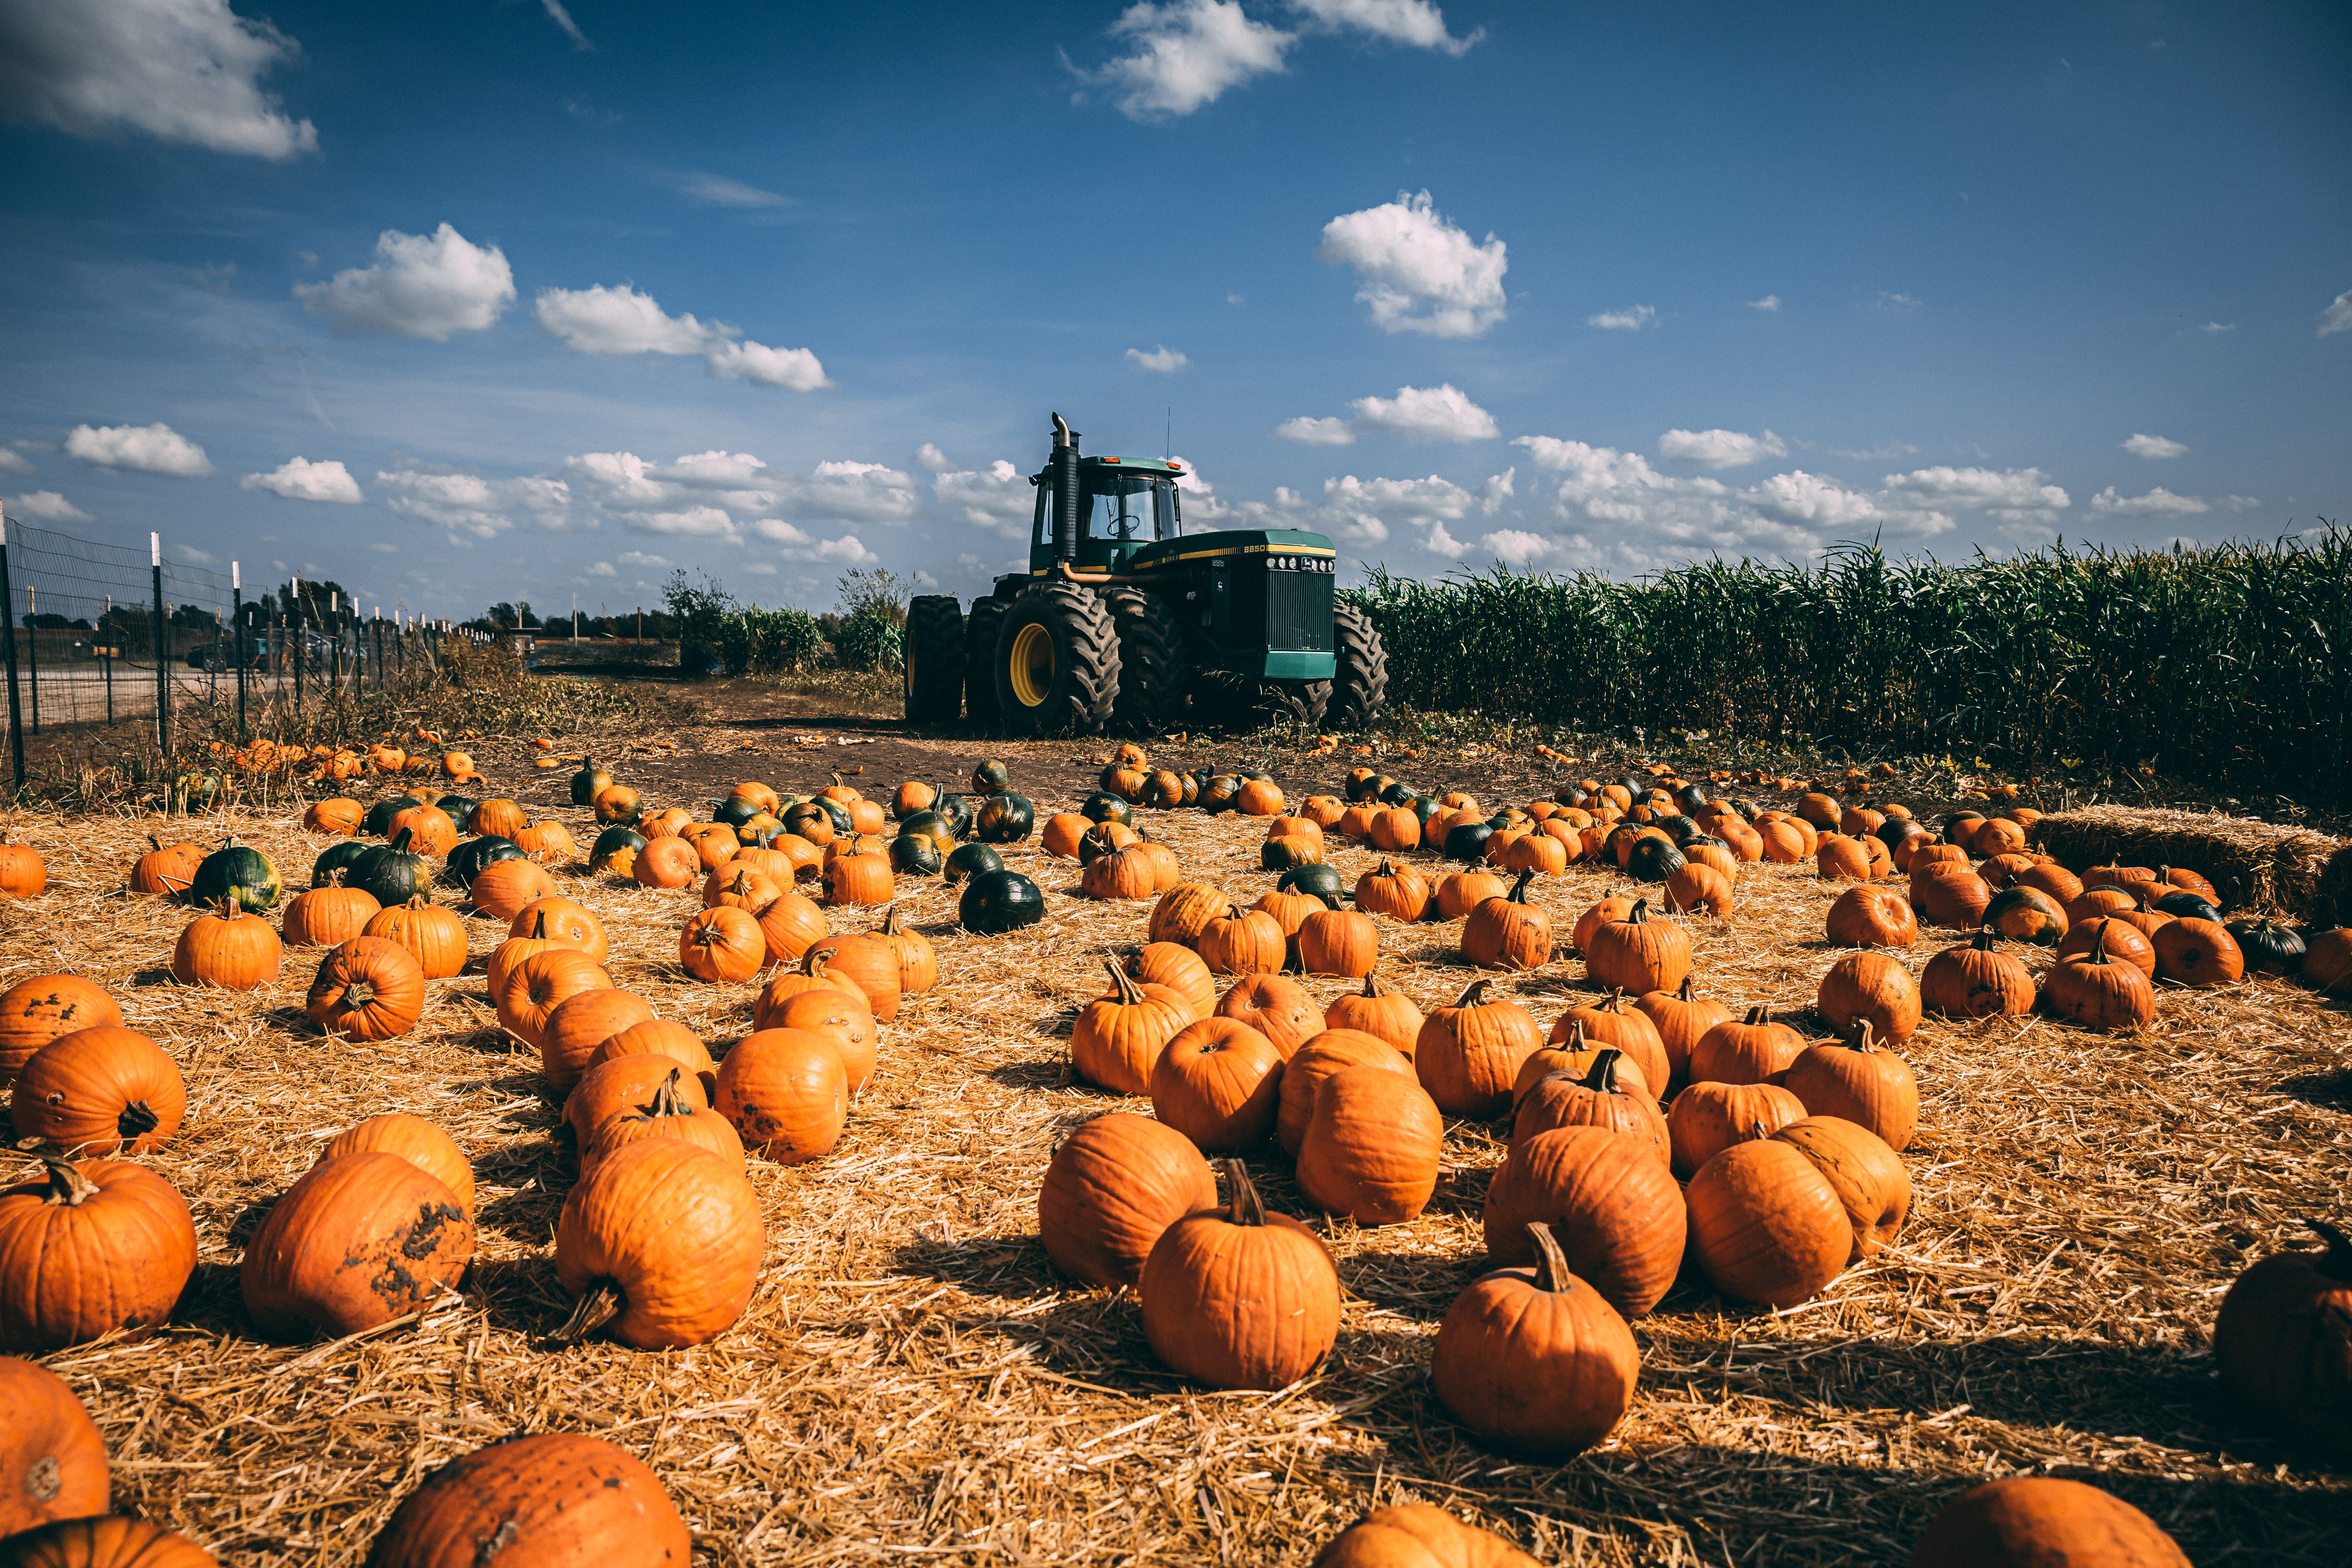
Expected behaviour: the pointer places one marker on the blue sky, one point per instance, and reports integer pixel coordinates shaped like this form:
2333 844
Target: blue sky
547 300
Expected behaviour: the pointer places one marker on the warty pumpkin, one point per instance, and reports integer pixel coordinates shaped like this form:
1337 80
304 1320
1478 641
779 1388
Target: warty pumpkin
1508 932
1612 1203
1371 1146
1111 1189
564 1499
1379 1010
101 1090
52 1458
787 1092
369 988
34 1011
415 1140
1239 1298
660 1243
1468 1054
89 1248
1705 1119
356 1242
1535 1362
1874 986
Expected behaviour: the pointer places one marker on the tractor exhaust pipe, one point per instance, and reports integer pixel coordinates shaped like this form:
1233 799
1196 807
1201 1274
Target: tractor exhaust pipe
1066 492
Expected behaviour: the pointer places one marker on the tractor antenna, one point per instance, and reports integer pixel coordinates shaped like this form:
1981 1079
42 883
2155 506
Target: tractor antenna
1168 450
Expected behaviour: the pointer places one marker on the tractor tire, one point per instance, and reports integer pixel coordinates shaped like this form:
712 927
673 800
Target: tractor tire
1306 702
1151 664
1360 687
980 630
1056 664
934 680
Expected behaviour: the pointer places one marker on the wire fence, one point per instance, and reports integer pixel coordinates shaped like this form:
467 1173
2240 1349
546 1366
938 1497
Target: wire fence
136 663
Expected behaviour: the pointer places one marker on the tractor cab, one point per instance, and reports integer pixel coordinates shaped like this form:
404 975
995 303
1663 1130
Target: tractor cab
1115 507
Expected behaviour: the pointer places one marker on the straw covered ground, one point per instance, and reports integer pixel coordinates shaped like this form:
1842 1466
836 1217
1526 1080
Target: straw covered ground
2252 864
913 1383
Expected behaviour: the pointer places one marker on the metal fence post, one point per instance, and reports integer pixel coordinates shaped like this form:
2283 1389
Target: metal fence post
237 641
33 652
301 638
8 631
163 650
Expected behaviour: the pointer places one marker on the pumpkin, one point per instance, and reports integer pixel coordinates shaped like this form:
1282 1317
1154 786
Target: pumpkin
1218 1083
390 874
2121 941
1949 896
1637 954
1371 1145
2099 992
865 960
101 1090
919 963
1414 1535
1117 1039
1752 1049
1508 932
1870 1183
1381 1011
576 1026
1467 1055
1112 1188
2027 915
237 871
1698 887
536 986
788 926
1840 859
2200 953
617 803
467 862
1864 916
560 1497
1242 941
334 859
1613 1205
998 902
356 1242
369 988
1459 892
35 1011
1290 911
1862 1083
1005 818
2031 1522
1874 986
1574 1054
430 832
1396 892
415 1140
377 823
721 945
52 1459
1765 1224
1320 881
1682 1017
1976 980
622 1083
668 1037
1338 942
1592 919
167 872
1178 969
2269 948
787 1092
1593 1098
231 951
91 1248
1184 911
660 1241
340 816
1128 873
1705 1119
434 936
109 1542
547 841
1332 1051
669 862
2282 1343
533 937
671 1114
1238 1298
1535 1362
1610 1022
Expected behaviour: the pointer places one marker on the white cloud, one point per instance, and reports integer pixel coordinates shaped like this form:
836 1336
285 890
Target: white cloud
46 506
2337 317
930 459
641 562
602 320
602 569
1440 542
2153 446
1426 414
1515 547
1161 359
563 18
2162 502
147 448
1719 448
1417 272
298 479
1188 52
1358 511
1416 23
2219 327
997 498
1308 431
855 492
423 285
793 370
719 191
11 462
1965 489
1896 302
180 71
472 506
1632 318
1769 303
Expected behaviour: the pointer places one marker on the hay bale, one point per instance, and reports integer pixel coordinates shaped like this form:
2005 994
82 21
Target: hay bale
2254 865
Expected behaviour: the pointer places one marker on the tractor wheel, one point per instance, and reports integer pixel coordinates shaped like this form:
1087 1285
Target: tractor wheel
1151 664
980 630
1306 702
1056 665
1359 688
934 683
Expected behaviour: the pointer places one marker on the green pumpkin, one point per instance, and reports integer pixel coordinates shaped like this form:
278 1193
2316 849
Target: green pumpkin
999 901
1324 882
1652 859
1283 854
1678 827
1571 794
378 820
966 861
929 825
1397 794
1424 807
197 790
237 871
391 875
1219 792
1006 818
617 849
835 813
339 856
1104 807
992 777
589 783
1466 841
459 809
734 810
916 855
957 809
469 859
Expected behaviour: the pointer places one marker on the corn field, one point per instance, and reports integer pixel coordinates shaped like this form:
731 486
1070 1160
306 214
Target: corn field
2227 662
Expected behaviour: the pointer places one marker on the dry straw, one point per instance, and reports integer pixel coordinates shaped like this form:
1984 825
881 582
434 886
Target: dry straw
2254 865
914 1383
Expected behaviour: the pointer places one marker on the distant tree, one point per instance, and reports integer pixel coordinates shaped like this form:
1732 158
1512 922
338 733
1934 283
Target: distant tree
873 591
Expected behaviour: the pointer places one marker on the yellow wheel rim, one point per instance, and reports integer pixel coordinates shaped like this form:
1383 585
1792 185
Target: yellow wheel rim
1032 664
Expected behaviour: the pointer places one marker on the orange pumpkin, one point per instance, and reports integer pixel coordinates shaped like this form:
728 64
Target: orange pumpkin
434 936
787 1093
1112 1189
1468 1055
369 988
1218 1083
1239 1298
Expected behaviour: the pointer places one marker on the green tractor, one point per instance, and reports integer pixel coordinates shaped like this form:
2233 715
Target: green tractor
1122 611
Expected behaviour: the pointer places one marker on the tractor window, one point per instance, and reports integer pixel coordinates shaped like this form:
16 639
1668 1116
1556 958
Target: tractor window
1170 518
1123 508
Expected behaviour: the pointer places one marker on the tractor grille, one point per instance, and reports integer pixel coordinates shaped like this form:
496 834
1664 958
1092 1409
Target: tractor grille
1297 607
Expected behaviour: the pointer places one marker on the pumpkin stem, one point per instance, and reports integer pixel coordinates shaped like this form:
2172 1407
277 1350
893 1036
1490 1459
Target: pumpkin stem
1473 995
1518 893
1551 1263
69 1188
667 1100
1862 1040
1374 985
1639 914
2099 943
1684 993
1984 937
137 1120
596 1309
1243 1206
1758 1014
2337 1264
1602 1077
1123 984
